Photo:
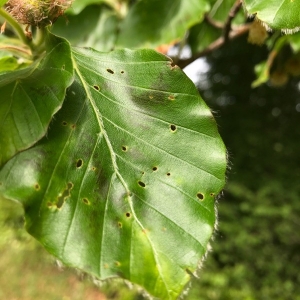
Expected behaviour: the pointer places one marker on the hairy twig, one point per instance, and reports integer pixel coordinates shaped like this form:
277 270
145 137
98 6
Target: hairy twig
238 31
232 13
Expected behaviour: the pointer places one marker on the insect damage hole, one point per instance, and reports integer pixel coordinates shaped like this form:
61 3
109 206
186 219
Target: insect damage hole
171 97
124 148
128 215
200 196
64 123
168 174
110 71
173 127
96 87
141 183
86 201
154 169
122 72
37 186
79 163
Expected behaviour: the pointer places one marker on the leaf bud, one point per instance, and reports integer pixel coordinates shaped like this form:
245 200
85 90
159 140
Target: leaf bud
37 12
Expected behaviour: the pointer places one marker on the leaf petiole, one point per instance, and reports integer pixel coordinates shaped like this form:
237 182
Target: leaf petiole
16 26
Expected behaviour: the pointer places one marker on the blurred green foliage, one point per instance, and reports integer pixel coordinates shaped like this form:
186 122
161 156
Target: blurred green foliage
256 251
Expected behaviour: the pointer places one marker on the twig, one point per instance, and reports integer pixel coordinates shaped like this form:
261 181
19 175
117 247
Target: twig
232 13
215 45
18 50
216 24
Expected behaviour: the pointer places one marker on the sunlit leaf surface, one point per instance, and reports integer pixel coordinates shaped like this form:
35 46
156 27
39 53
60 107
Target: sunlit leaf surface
125 181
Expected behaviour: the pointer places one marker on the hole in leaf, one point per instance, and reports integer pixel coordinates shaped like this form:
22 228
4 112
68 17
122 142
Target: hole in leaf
37 186
190 272
124 148
120 225
168 174
62 197
143 172
63 67
171 97
212 194
73 126
86 201
93 169
172 65
154 169
200 196
110 71
96 87
64 123
70 185
128 215
141 183
173 127
79 163
122 72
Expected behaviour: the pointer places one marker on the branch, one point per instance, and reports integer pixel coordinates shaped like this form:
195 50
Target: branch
212 22
239 31
233 11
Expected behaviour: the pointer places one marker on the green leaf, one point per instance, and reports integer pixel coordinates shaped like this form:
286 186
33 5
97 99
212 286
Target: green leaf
31 96
150 23
262 72
279 14
95 26
2 2
79 5
10 63
124 183
202 35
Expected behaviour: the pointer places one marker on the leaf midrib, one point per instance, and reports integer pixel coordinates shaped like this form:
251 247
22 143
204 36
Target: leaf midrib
115 166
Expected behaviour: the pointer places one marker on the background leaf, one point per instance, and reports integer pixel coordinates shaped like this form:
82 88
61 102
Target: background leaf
124 183
279 14
31 96
150 23
96 26
79 5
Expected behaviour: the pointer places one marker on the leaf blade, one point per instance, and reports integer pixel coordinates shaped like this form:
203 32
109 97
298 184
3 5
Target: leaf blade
147 26
126 194
32 95
280 14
